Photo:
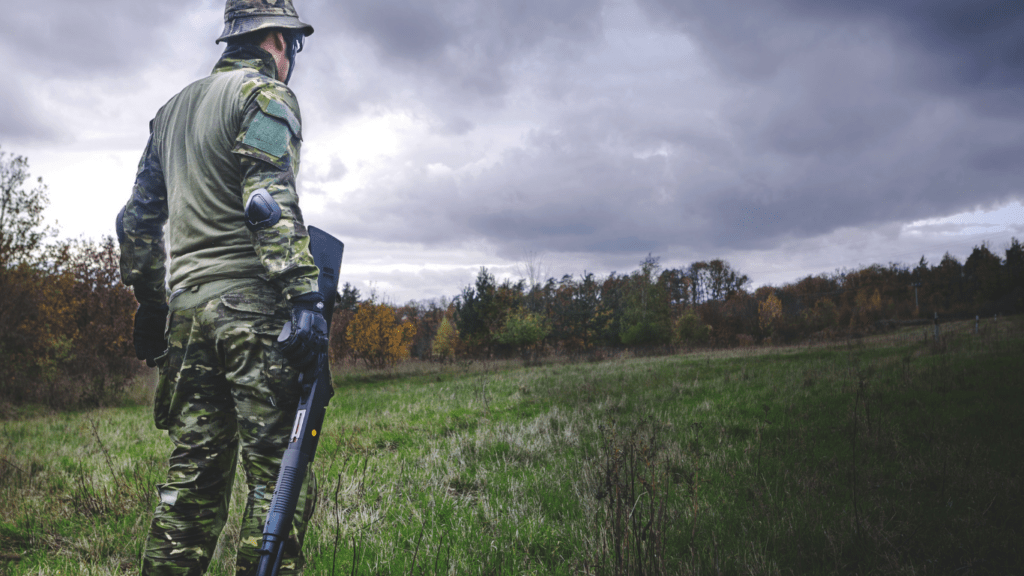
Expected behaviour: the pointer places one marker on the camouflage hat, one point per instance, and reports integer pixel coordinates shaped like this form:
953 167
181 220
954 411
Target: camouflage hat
244 16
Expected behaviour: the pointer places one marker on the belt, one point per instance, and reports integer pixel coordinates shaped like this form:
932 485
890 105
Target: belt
192 296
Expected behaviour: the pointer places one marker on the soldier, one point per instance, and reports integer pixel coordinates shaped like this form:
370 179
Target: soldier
219 170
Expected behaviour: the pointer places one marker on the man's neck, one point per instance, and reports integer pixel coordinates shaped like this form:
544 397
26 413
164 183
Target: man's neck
247 57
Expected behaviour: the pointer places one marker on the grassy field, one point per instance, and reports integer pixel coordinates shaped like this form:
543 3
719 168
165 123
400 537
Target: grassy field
888 455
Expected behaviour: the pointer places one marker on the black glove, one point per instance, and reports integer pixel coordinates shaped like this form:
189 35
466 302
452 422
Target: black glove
148 336
304 339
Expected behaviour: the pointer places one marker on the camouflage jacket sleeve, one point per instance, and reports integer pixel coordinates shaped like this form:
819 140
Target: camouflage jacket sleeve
140 231
268 147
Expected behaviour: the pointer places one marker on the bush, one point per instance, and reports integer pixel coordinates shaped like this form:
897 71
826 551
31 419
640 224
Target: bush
339 349
647 334
692 331
524 331
65 328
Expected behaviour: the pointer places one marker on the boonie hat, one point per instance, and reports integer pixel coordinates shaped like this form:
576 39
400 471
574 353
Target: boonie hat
244 16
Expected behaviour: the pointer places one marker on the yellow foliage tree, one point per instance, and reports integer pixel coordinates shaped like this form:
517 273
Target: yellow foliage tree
376 336
769 313
869 308
446 341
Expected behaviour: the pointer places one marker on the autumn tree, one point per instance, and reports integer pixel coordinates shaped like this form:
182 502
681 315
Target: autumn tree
427 315
377 337
98 311
22 283
70 343
21 235
769 313
446 341
823 316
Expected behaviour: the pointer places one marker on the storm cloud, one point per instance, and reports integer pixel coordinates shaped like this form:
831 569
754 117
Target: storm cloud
458 134
809 117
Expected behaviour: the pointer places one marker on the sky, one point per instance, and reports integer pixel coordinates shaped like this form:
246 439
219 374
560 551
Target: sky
787 137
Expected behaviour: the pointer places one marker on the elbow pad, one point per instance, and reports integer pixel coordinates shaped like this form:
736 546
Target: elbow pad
261 211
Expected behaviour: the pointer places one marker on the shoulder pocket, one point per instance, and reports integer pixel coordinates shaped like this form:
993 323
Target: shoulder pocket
269 134
281 111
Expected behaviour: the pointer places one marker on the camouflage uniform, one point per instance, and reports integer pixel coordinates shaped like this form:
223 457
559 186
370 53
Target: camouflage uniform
223 384
224 388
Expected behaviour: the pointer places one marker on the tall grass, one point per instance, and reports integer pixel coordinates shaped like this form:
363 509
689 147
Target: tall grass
891 455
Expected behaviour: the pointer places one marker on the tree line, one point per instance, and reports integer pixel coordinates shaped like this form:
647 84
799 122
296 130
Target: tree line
705 304
66 320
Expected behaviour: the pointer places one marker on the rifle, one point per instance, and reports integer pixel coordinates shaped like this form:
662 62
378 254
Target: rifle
317 390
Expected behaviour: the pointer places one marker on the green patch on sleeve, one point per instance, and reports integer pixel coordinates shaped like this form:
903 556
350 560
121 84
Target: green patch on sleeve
279 110
268 134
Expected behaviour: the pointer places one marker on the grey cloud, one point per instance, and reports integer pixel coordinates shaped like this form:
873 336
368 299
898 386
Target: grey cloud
982 41
454 126
399 287
795 119
870 111
22 121
411 31
337 171
631 244
964 44
463 45
1000 157
579 185
77 39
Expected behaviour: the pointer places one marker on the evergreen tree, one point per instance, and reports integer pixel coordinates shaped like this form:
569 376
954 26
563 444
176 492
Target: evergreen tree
646 320
348 299
1014 274
983 275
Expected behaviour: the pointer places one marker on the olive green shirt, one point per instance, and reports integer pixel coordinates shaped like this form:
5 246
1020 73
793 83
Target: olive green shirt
211 146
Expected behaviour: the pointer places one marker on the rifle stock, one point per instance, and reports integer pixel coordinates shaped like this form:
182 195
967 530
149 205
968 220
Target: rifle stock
309 418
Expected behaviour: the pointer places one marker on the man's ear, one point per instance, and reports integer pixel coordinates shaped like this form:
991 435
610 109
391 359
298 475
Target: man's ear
279 42
274 41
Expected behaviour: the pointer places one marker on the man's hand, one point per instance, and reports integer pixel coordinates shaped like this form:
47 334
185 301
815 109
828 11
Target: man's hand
148 336
304 339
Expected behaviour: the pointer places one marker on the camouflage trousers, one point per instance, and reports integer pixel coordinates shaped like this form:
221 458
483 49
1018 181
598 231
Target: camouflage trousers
224 393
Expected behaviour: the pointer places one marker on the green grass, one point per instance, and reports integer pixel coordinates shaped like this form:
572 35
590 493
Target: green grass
888 455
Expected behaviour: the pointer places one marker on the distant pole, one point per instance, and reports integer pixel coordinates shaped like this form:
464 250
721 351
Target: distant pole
976 317
936 327
917 307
